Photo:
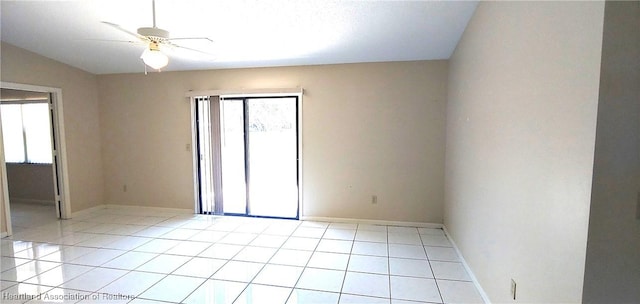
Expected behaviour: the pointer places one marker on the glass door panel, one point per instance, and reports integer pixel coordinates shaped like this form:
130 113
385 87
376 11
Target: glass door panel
272 157
234 190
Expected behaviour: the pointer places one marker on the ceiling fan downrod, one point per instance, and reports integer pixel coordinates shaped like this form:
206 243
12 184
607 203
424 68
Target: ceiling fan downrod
153 8
154 33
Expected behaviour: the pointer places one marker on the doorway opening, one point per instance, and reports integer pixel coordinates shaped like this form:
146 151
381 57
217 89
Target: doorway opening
32 162
248 156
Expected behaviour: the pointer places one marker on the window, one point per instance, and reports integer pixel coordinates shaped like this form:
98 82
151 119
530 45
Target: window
26 133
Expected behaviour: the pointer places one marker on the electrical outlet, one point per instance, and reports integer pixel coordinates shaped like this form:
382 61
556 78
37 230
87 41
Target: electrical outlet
124 188
374 199
513 289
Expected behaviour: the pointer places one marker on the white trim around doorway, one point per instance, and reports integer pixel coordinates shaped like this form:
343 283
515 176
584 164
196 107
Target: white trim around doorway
59 137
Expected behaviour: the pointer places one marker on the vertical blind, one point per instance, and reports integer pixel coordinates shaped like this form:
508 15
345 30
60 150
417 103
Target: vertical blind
210 181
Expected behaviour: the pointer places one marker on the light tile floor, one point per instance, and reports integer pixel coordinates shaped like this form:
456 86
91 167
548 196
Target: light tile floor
28 215
127 256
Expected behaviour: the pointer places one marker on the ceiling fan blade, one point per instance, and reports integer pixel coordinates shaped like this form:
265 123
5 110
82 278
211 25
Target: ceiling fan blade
207 55
113 40
118 27
192 38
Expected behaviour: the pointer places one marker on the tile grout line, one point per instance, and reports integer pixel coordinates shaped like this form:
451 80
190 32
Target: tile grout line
230 259
61 263
130 271
263 266
167 275
344 279
307 263
225 263
122 235
389 264
431 268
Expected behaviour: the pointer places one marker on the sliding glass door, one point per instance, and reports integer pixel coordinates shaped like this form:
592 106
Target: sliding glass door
272 157
258 149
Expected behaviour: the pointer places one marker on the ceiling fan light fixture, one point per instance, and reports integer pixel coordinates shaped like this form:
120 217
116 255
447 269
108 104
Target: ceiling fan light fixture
154 58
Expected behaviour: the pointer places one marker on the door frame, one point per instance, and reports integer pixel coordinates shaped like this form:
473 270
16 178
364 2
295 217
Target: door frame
59 163
257 93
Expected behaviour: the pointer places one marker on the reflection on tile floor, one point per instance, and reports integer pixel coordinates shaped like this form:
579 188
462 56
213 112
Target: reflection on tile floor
131 256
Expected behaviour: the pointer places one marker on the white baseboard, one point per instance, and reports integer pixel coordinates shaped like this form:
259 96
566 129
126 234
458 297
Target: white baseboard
131 208
373 222
150 209
3 235
21 200
483 294
304 218
86 211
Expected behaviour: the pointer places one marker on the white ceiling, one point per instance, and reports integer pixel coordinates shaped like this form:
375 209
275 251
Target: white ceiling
246 33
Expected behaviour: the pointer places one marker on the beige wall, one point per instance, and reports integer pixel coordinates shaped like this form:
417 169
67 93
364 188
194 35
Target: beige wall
521 118
30 183
612 271
368 129
80 103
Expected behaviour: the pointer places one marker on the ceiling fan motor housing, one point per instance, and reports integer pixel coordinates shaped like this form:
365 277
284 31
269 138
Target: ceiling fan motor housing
154 33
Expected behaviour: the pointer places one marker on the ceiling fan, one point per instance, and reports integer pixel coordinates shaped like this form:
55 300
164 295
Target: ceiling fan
156 38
